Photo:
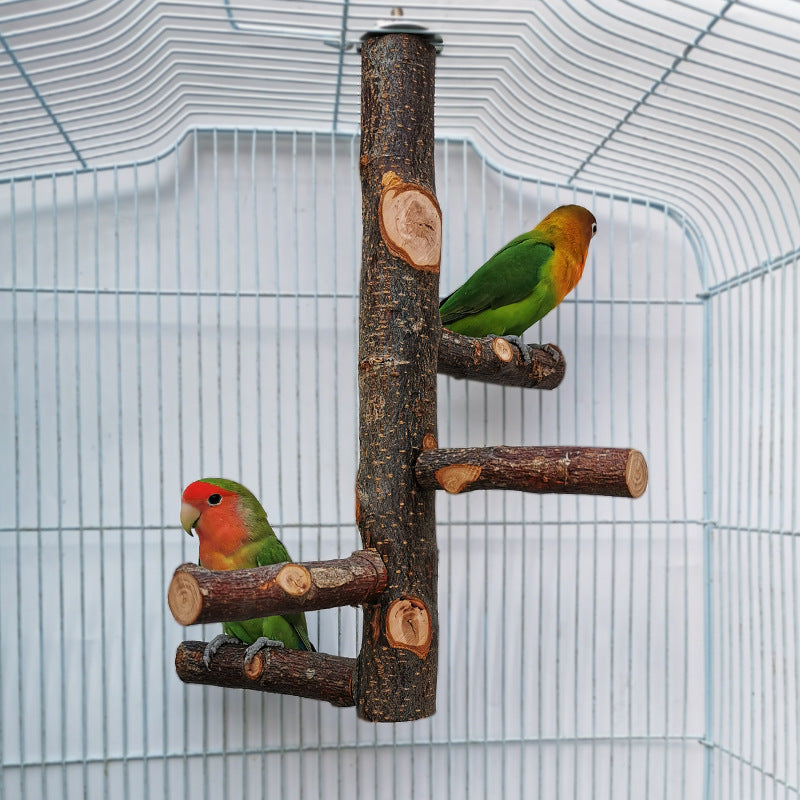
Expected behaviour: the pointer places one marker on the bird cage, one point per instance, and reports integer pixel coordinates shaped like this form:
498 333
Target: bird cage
179 297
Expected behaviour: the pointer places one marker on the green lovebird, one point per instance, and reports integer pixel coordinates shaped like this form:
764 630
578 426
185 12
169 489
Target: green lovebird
524 280
234 533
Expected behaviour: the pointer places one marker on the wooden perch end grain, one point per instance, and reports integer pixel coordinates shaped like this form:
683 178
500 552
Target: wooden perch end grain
614 472
636 473
198 595
317 676
410 223
494 360
184 596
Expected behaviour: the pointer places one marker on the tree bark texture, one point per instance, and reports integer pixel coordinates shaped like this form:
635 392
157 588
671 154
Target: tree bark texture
317 676
399 332
198 595
614 472
494 360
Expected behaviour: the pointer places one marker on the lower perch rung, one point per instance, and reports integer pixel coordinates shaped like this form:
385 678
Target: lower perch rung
610 471
318 676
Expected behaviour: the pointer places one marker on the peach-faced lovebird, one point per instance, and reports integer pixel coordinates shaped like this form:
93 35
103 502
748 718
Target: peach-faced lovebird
524 280
234 534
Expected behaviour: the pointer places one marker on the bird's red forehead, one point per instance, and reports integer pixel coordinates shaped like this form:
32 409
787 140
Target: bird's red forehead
200 491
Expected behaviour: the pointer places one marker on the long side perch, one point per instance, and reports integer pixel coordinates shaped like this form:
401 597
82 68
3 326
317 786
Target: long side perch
610 471
315 675
198 595
494 360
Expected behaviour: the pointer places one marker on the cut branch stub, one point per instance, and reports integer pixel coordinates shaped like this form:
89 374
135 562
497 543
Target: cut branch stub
410 223
198 595
318 676
610 471
456 477
502 349
408 625
494 360
294 579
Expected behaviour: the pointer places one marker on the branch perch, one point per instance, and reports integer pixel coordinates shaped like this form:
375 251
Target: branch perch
494 360
613 472
198 595
317 676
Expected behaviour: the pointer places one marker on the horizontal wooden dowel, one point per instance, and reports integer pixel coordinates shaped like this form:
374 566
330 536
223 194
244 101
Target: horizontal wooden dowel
494 360
198 595
315 675
614 472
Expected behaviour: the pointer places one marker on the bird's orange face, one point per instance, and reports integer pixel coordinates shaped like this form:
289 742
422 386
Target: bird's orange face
214 513
572 221
570 229
203 504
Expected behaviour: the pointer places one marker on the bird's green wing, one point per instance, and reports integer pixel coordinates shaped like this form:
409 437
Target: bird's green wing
509 276
273 552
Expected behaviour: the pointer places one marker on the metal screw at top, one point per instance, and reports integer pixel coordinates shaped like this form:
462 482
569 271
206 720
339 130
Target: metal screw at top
393 24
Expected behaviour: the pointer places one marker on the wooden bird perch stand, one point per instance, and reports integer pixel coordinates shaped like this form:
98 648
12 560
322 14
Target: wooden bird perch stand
401 348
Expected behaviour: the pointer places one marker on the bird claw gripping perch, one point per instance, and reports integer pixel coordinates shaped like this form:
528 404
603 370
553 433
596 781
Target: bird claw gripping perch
214 645
257 645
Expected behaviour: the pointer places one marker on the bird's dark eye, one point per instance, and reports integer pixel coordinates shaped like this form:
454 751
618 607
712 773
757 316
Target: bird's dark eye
594 228
215 499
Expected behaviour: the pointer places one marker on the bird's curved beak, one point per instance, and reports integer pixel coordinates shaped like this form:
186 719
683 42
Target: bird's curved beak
189 516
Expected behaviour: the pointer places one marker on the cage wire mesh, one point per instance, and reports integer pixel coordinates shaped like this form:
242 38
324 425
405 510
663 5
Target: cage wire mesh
180 251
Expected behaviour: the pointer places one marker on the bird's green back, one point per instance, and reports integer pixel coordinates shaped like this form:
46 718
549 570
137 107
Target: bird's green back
510 292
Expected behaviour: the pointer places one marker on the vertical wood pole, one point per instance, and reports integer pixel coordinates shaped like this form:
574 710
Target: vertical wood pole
399 332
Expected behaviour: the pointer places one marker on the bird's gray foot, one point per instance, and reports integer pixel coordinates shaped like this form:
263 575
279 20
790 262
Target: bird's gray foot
517 342
257 645
215 644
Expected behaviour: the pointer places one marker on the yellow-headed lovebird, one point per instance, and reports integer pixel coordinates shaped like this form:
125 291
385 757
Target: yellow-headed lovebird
234 534
524 280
